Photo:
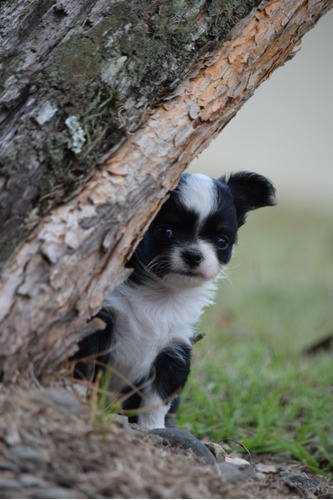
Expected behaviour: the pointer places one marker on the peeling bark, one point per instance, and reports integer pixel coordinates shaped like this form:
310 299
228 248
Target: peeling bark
77 78
58 275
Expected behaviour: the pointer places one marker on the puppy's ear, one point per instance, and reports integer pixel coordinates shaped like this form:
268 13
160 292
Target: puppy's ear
250 191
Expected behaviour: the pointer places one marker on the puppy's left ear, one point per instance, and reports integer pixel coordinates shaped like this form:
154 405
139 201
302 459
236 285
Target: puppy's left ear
250 191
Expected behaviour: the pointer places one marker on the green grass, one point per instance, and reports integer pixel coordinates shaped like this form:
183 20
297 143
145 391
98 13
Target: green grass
251 381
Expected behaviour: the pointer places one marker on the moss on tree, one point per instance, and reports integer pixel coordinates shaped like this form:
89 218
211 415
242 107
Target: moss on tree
103 75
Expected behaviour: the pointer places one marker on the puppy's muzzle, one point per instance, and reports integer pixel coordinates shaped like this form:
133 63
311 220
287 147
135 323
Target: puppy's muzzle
192 258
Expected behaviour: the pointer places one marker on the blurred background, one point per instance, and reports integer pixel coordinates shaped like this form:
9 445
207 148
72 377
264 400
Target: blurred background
254 379
285 131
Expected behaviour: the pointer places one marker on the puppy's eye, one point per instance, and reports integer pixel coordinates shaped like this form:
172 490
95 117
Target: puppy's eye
222 242
164 232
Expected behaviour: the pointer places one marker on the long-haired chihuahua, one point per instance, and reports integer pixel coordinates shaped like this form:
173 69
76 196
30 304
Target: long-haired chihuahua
151 318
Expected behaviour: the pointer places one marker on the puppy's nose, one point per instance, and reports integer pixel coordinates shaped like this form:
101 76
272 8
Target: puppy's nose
192 257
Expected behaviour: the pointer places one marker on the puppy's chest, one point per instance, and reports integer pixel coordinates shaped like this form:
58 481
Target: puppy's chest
145 323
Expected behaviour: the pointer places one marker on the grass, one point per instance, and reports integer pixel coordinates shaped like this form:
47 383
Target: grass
251 380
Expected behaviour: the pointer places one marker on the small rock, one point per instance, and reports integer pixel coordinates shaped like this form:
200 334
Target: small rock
60 400
232 473
217 451
31 481
9 466
28 454
267 468
242 465
30 439
120 419
237 469
154 439
7 483
239 462
176 438
303 483
12 436
53 493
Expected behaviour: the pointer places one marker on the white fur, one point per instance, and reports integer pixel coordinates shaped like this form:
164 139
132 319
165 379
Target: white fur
150 317
153 312
162 311
154 411
208 269
199 195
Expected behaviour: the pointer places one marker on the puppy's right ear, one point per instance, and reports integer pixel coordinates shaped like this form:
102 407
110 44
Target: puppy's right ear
250 191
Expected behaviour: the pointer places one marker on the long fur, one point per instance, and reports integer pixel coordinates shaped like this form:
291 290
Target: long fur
151 318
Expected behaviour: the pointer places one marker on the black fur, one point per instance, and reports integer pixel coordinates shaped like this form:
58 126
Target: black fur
176 226
250 191
94 350
171 369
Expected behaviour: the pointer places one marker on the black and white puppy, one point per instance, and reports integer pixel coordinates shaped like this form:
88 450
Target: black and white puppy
151 318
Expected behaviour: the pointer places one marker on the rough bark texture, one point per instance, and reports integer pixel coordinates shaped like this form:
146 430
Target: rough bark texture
77 78
56 278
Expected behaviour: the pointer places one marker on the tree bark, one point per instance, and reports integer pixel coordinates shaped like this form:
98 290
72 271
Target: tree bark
77 78
103 106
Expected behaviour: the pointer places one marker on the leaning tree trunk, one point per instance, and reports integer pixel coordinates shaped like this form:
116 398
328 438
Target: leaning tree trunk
103 105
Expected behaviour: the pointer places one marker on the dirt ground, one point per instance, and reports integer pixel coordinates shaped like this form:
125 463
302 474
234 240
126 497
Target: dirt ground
49 448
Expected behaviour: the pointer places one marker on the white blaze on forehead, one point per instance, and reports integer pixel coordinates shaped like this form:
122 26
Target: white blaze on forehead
198 194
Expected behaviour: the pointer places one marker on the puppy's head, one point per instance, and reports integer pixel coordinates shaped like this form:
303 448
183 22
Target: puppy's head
191 239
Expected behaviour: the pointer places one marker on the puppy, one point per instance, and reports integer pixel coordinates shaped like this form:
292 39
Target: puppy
151 318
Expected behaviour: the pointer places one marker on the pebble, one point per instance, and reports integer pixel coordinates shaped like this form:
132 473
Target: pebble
31 481
242 465
30 439
28 454
12 436
217 451
60 400
53 492
302 482
176 438
232 473
7 483
9 466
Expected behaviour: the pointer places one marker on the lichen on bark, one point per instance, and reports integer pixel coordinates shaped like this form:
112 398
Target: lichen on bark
114 62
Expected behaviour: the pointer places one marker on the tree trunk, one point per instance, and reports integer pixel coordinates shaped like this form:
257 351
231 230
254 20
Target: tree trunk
103 106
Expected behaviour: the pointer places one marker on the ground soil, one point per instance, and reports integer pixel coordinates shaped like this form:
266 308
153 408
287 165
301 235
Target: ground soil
51 447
